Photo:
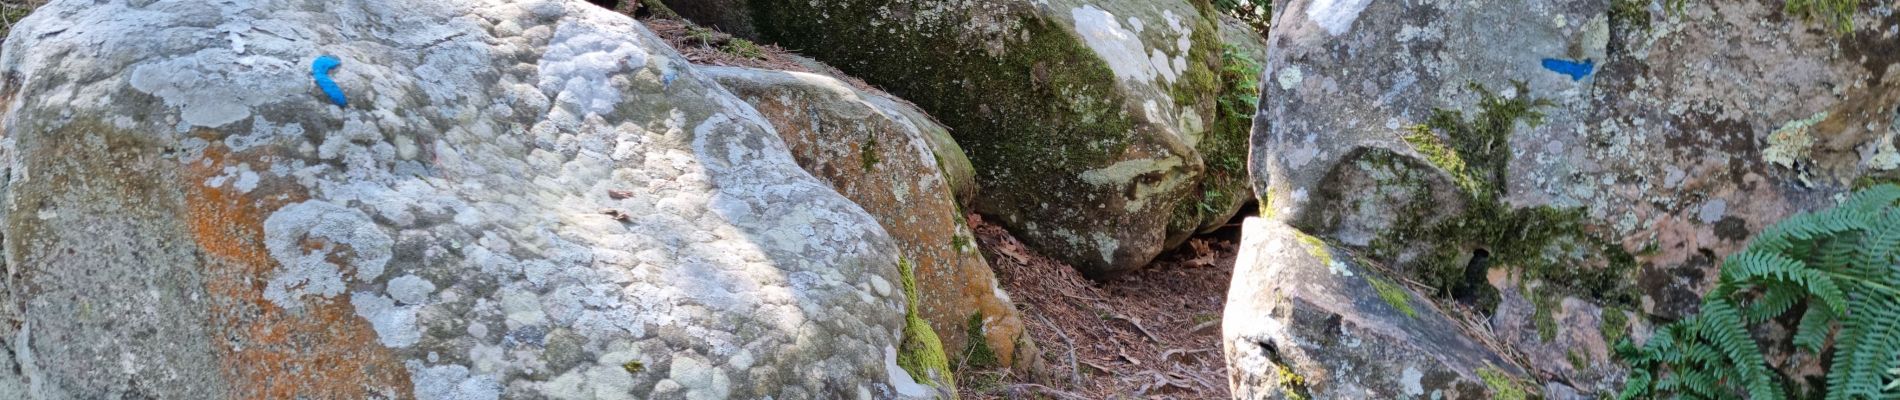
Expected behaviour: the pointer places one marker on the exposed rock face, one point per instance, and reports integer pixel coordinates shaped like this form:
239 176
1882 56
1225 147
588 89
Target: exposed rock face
1083 118
875 152
1305 319
1567 209
529 199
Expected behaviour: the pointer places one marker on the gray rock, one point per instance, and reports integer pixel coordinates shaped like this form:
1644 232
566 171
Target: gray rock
1093 125
877 152
1305 317
523 199
1693 131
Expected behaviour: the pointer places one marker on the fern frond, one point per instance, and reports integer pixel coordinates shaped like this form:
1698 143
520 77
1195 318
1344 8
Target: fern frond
1814 328
1841 265
1751 265
1865 338
1722 325
1776 299
1872 199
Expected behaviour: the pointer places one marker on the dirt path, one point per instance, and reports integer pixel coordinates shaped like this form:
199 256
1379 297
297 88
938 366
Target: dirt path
1153 334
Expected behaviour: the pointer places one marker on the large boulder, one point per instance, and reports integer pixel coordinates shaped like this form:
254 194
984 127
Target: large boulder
1093 124
522 199
1306 319
1566 169
875 151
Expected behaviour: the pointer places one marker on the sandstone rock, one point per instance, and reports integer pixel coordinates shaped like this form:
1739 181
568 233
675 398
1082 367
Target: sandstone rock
950 158
1613 193
1083 118
875 151
523 199
1305 319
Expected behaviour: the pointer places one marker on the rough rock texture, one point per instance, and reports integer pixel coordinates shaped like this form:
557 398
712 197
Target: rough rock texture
1082 117
1570 229
874 151
950 158
1305 319
531 199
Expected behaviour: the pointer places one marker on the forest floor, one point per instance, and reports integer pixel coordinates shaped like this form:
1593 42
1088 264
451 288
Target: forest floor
1153 334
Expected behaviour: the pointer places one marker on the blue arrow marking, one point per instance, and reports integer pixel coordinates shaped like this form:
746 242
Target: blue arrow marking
320 70
1576 70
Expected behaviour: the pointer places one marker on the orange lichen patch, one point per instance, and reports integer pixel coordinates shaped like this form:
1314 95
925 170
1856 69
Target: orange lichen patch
323 351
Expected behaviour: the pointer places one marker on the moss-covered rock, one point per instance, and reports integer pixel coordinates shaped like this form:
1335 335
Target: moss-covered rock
1436 139
1308 319
877 152
1082 118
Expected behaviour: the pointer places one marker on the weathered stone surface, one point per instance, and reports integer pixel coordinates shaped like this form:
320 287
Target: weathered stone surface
1305 319
875 152
1082 117
1554 204
523 199
950 157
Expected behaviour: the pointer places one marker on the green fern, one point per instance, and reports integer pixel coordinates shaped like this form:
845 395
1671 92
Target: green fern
1838 267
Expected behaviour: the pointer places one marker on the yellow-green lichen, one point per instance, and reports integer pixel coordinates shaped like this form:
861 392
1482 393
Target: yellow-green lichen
633 367
1502 385
1315 247
1292 385
1393 295
921 354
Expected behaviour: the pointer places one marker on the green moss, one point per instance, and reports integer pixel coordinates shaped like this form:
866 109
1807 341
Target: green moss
633 367
1292 385
1544 304
11 14
959 242
1393 295
1577 361
1872 179
1630 15
977 353
1043 106
1837 14
867 154
921 354
1615 325
1502 385
1545 244
1478 150
1224 147
744 48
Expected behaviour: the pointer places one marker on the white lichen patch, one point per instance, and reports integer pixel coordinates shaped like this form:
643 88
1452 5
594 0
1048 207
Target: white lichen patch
1790 144
1124 172
1122 49
1335 16
900 380
395 326
1290 77
240 177
303 237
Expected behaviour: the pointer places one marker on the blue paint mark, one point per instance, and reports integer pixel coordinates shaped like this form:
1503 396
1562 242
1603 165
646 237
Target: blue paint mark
667 80
320 70
1576 70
